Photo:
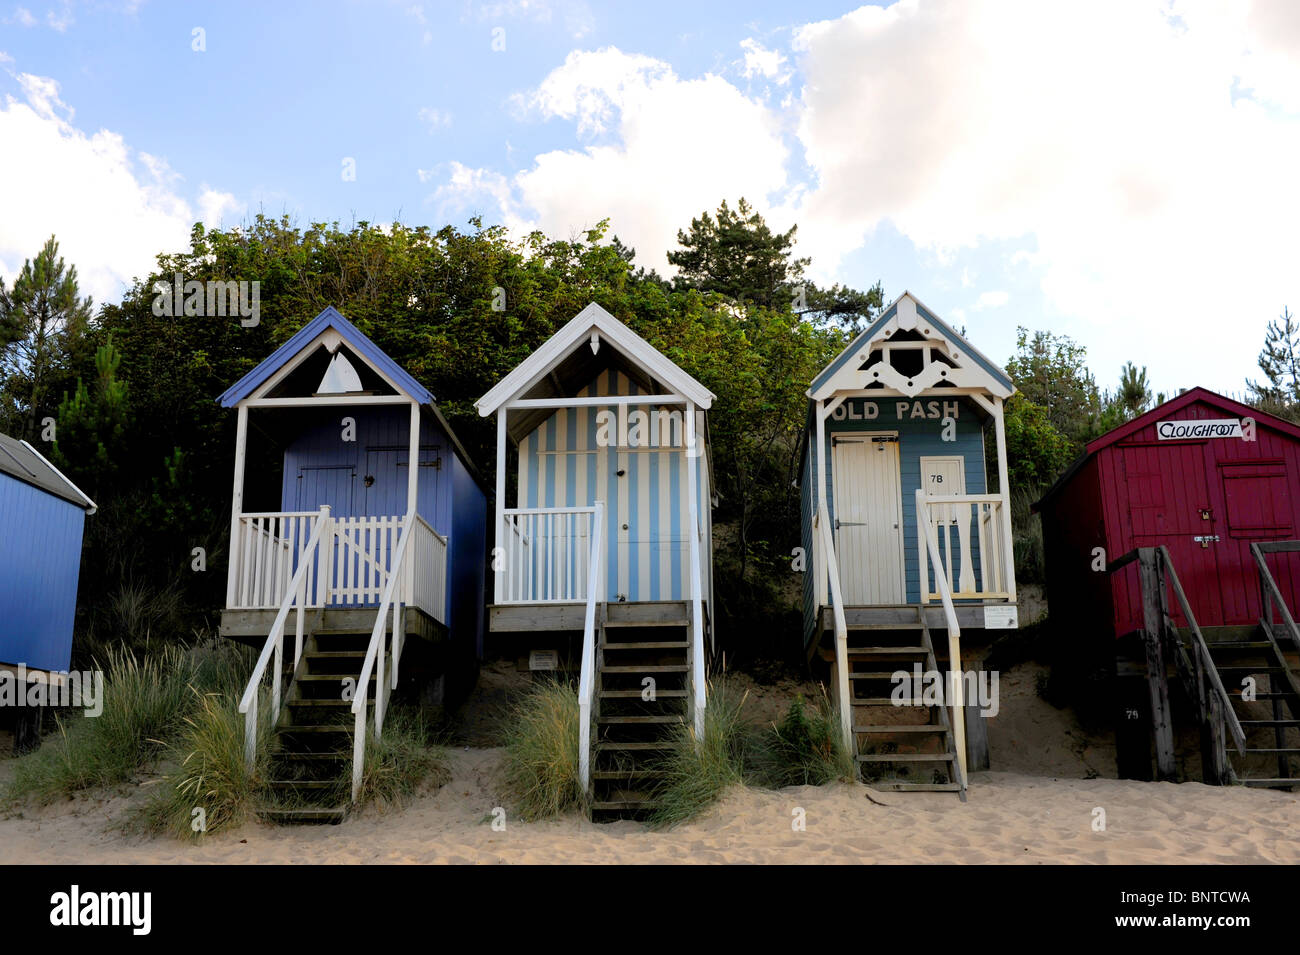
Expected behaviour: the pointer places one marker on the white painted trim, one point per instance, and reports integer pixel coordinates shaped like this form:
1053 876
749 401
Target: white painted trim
697 578
413 478
1004 491
578 332
316 401
522 404
498 550
841 379
63 477
329 337
237 496
819 500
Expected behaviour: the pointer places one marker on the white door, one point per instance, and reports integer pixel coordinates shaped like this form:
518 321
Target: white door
942 477
868 519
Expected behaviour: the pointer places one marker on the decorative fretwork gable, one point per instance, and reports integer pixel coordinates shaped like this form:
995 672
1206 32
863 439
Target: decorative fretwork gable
908 350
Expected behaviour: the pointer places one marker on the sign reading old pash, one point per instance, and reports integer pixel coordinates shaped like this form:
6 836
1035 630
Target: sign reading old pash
1199 430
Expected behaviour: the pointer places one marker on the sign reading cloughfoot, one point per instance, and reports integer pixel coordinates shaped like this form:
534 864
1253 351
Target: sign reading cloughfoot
1199 430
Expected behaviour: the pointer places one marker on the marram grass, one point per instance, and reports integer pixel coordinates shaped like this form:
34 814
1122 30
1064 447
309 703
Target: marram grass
541 761
211 787
144 703
695 776
401 761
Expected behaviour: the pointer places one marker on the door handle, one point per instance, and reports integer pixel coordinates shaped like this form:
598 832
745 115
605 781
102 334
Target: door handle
839 523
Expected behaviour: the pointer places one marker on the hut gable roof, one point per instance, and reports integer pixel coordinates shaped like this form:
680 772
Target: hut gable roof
958 361
1193 396
593 323
304 342
20 460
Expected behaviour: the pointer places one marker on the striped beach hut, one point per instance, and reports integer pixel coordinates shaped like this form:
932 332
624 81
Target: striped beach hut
602 566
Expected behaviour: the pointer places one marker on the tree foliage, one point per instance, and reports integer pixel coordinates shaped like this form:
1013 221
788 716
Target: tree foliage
42 320
1279 360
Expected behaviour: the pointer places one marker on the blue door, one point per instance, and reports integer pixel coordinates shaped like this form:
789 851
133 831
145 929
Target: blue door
386 478
334 485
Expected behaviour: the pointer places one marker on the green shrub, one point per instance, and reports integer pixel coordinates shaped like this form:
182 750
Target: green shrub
541 762
805 748
694 777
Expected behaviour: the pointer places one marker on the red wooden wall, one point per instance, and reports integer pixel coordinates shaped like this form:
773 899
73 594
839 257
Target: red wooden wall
1139 491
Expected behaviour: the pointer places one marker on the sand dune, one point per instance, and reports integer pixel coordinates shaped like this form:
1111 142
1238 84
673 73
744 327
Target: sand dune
1009 818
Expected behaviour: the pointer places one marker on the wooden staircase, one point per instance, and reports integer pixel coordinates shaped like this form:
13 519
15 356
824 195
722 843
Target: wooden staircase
1243 689
311 757
900 745
637 723
1271 720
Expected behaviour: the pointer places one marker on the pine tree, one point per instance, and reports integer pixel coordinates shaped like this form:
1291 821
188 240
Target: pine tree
1279 393
41 318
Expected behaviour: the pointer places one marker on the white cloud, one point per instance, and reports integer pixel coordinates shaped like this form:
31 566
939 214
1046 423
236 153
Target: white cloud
61 19
434 119
995 299
112 209
22 16
575 15
1146 148
760 61
218 208
416 12
662 149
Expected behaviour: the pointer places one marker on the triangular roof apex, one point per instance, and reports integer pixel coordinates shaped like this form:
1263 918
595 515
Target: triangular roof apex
331 328
906 313
577 332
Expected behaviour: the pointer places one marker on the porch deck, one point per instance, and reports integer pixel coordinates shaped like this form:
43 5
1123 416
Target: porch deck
541 617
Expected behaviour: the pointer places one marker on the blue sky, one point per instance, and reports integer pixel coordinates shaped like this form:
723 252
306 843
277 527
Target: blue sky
1118 174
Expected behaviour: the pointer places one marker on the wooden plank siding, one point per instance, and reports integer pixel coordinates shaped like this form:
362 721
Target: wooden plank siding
561 464
1140 491
40 561
449 497
917 438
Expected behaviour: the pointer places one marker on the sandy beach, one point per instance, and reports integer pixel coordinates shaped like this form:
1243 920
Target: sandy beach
1038 808
1009 818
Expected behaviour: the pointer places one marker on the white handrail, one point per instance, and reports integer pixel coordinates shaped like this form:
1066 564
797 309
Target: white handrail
587 673
954 634
275 641
697 638
374 661
823 523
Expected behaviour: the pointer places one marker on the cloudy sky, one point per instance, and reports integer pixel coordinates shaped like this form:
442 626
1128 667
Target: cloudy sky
1121 172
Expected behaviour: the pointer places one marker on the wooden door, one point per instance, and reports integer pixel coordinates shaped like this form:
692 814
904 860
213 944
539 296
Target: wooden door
868 519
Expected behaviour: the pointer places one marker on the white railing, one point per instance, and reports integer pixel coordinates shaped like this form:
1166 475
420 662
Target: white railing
360 559
350 566
295 597
264 555
823 524
587 674
955 522
955 689
545 556
426 571
334 566
698 685
376 654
